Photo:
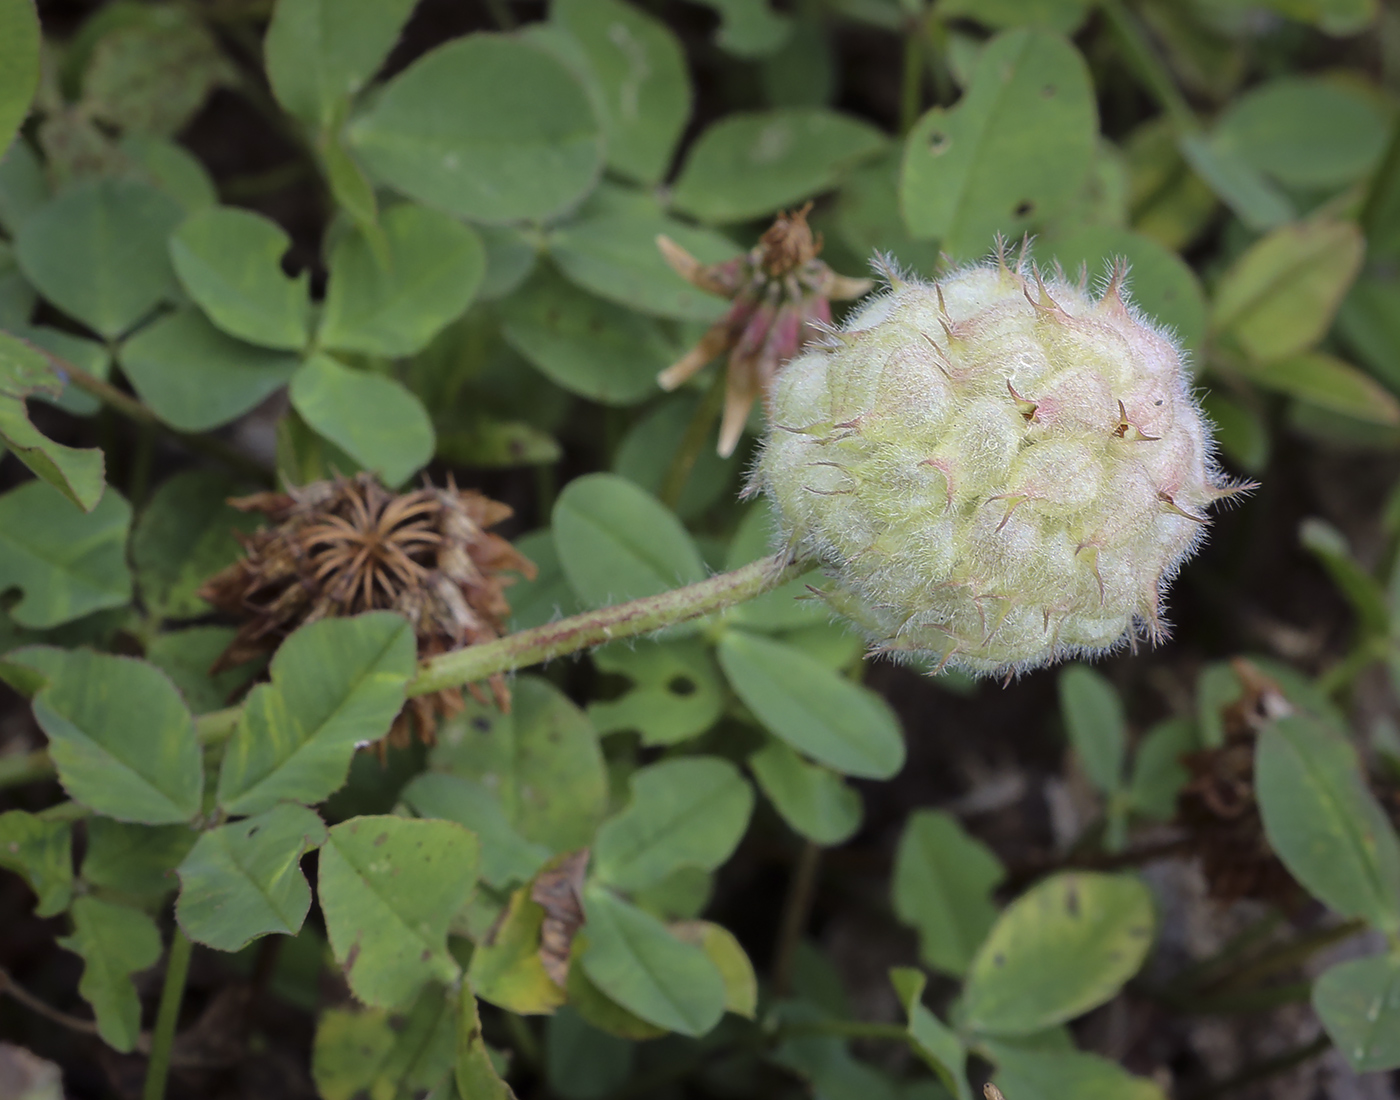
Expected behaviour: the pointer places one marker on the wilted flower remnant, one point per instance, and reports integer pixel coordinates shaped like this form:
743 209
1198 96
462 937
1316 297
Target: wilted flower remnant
781 294
346 546
998 470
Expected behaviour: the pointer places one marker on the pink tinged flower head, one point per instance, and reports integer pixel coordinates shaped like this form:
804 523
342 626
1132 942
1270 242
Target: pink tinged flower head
997 470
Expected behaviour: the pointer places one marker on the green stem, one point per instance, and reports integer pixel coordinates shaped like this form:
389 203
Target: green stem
1147 66
697 435
177 968
19 768
797 908
607 624
132 409
1338 677
911 96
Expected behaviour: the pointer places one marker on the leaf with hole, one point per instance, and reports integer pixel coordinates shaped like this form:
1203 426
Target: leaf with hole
676 690
1065 946
542 760
1010 154
244 880
336 684
388 887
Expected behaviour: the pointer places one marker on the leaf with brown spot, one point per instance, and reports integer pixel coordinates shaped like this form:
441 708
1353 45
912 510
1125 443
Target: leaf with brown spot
559 890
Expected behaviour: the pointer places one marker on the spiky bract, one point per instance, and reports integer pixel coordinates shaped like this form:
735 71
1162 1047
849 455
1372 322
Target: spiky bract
998 471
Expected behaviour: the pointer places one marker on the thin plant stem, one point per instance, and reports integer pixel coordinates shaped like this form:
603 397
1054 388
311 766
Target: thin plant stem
697 435
911 95
133 410
177 969
797 909
1147 66
9 986
844 1029
607 624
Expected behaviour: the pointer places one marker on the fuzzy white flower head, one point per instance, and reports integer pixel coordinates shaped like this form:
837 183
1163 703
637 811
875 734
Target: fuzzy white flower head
998 471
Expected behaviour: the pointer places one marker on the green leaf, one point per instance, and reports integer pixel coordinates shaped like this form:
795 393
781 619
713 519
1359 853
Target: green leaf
1368 324
646 451
23 188
497 444
136 862
1257 203
350 1046
1359 1004
548 596
487 128
588 346
476 1074
1160 282
582 1062
750 163
633 959
867 218
182 537
750 28
810 798
825 1063
122 739
244 880
643 83
318 52
932 1040
788 607
1010 154
186 657
98 252
374 419
195 377
506 969
114 942
336 684
17 298
424 1048
615 256
388 887
19 64
1158 773
1305 132
1362 591
77 474
435 265
172 169
1065 946
40 852
815 710
943 883
1098 729
1279 298
1028 1073
1327 382
676 691
1064 16
729 957
1324 823
152 71
688 812
230 262
506 856
617 542
542 759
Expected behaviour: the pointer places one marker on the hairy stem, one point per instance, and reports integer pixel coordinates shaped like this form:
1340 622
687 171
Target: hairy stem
177 968
697 434
607 624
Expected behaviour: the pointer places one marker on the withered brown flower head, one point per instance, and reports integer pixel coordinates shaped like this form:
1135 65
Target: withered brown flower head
349 545
782 294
